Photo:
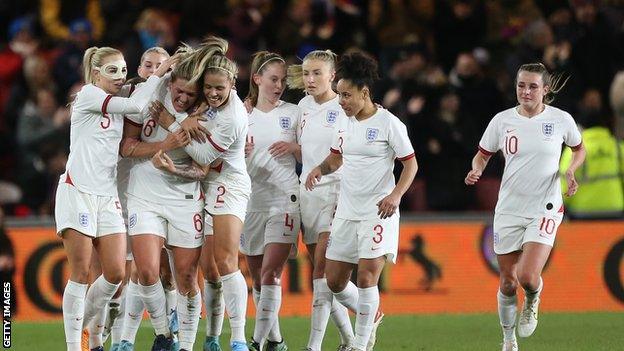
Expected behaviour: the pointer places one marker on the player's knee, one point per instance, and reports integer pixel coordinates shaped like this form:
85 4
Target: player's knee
227 265
508 285
80 276
271 277
528 280
115 276
336 285
148 276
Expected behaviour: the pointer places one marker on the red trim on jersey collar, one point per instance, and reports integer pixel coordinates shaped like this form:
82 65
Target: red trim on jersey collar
105 104
561 209
334 151
412 155
577 147
68 180
126 119
484 151
219 148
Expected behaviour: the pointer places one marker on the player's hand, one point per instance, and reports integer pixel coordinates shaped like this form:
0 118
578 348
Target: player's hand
282 148
162 161
248 105
166 65
313 178
249 145
155 109
572 184
473 177
192 126
175 140
388 206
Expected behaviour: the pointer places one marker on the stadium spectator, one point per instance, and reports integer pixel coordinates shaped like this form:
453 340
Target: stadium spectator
56 17
66 68
601 177
530 207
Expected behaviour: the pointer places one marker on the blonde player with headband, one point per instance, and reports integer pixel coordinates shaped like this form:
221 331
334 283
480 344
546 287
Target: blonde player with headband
320 115
272 224
530 207
165 209
365 232
228 186
88 212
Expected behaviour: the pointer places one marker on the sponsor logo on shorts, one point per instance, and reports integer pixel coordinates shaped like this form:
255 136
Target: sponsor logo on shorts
132 220
371 134
285 122
331 117
375 248
83 219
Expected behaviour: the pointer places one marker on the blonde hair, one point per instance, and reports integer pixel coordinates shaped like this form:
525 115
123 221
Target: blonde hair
555 82
155 49
210 58
93 58
295 72
259 64
186 66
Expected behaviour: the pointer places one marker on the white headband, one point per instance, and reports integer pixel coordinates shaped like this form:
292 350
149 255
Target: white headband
223 69
269 60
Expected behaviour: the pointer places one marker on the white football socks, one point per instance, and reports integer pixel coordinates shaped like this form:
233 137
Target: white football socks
368 303
215 307
73 313
507 311
235 297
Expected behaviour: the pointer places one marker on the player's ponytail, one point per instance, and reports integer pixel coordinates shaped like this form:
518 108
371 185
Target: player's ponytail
210 58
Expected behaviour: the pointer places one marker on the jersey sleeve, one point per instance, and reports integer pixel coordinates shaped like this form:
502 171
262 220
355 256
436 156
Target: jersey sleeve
95 100
572 136
219 140
489 143
398 139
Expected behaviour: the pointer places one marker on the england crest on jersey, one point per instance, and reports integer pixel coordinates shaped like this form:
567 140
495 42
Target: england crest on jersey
332 116
548 129
211 113
284 122
371 134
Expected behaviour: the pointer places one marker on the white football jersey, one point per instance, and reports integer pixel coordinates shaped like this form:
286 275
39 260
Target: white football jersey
532 149
95 133
368 150
274 183
225 148
315 134
152 184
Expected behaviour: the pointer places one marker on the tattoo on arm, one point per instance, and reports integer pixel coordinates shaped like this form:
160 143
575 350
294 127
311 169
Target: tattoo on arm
325 168
192 172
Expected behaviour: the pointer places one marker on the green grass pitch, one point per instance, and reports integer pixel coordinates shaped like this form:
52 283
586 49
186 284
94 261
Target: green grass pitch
478 332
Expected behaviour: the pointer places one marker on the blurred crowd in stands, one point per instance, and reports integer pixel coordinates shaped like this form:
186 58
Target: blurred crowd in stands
447 67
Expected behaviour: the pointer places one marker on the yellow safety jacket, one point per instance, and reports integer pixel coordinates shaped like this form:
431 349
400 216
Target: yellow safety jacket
600 178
